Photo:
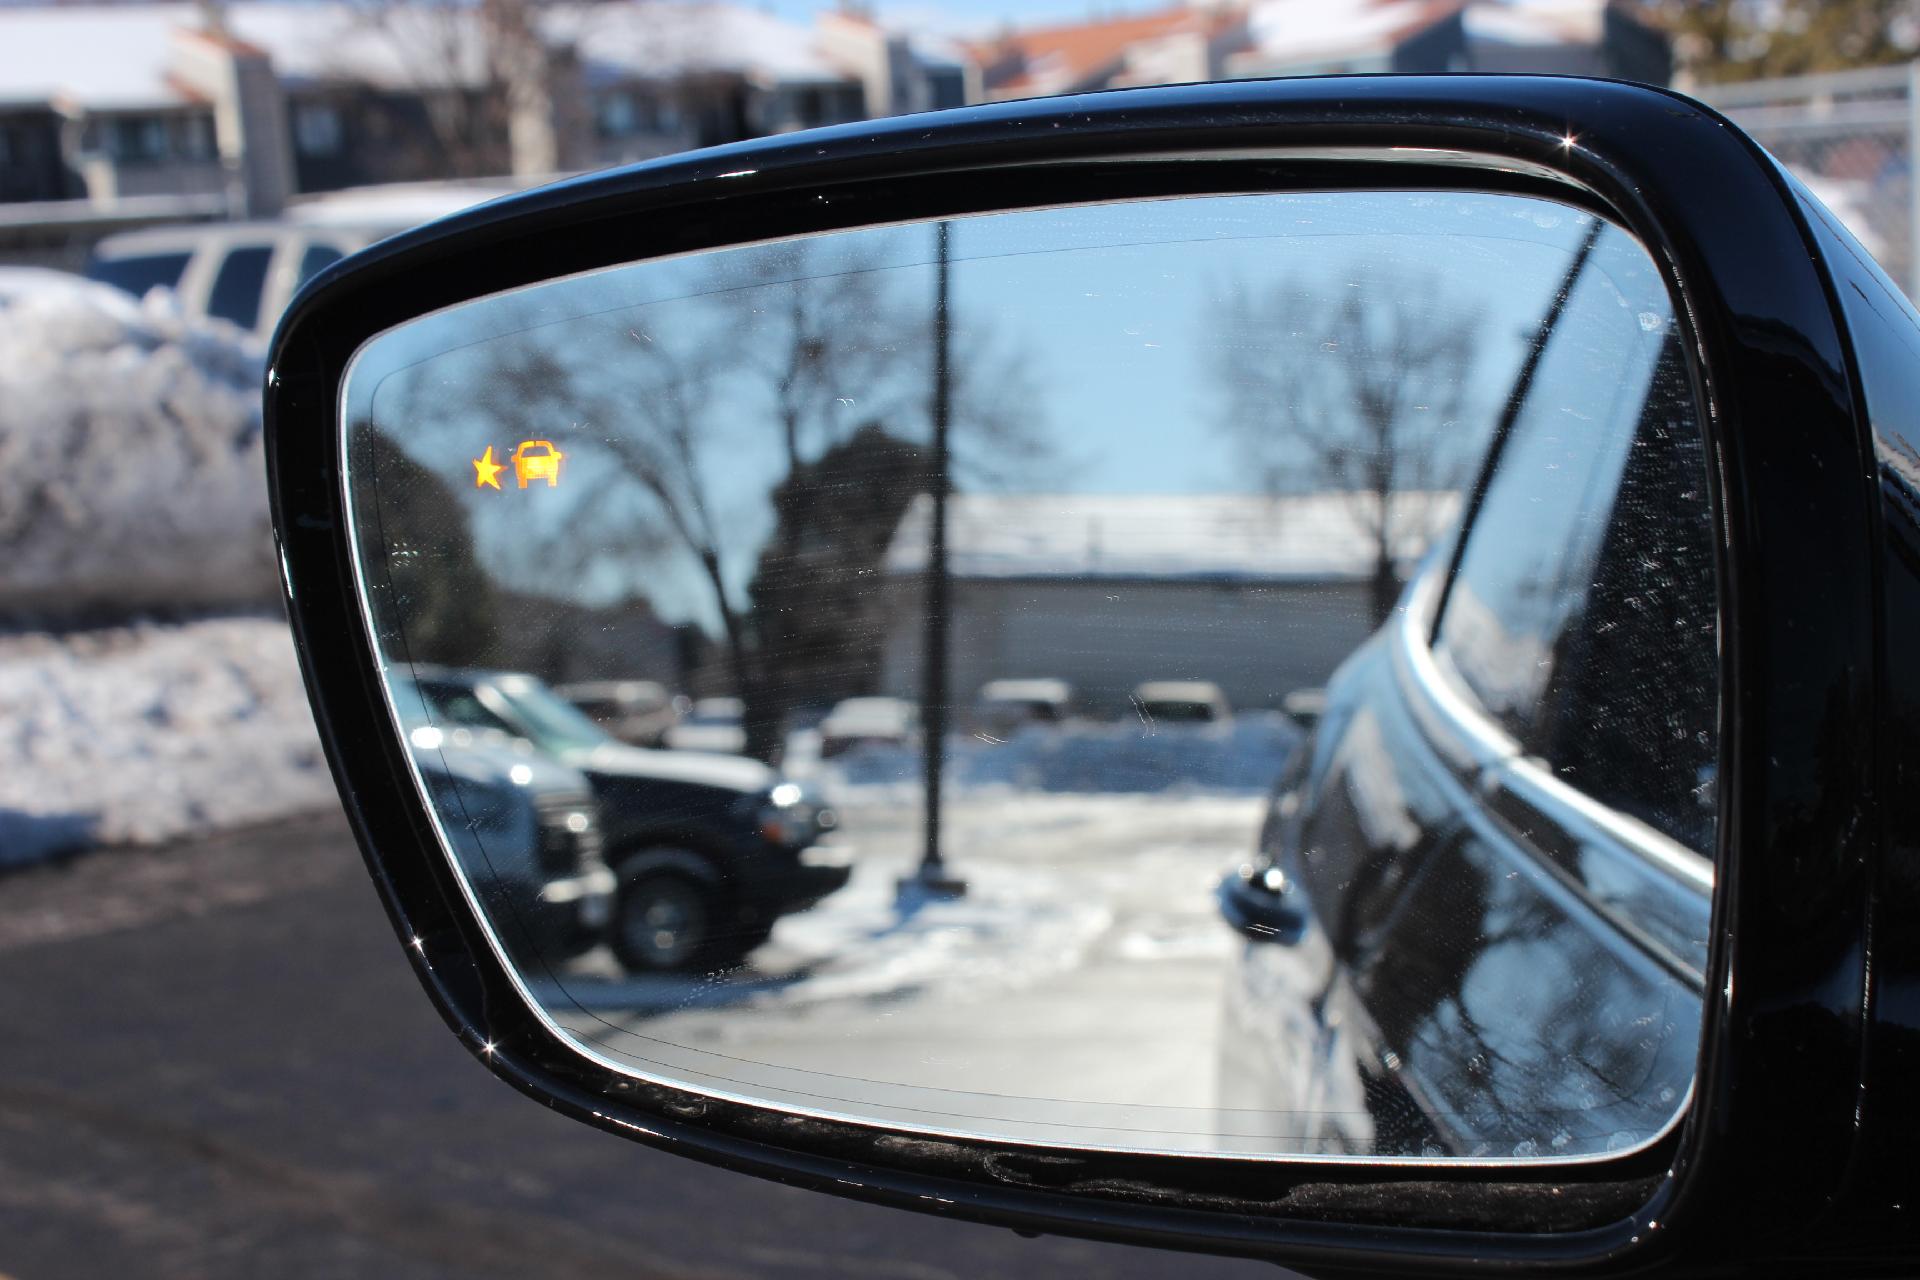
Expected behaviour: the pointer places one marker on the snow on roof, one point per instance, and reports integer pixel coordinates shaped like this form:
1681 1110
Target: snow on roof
662 39
1311 537
1036 690
389 47
1285 32
119 56
1537 22
104 57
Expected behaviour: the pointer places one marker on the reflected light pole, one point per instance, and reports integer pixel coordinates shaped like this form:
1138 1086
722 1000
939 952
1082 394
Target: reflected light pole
932 878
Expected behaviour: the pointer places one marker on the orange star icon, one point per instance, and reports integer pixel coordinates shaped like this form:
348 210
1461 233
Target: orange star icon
486 471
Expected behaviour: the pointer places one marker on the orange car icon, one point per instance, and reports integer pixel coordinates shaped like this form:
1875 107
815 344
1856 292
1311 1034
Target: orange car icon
537 460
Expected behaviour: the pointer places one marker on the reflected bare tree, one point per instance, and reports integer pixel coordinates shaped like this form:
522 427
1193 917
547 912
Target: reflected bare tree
836 344
428 593
1353 382
822 334
655 408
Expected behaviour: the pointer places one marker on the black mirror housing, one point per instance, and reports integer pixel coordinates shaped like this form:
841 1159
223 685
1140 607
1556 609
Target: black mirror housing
1784 1151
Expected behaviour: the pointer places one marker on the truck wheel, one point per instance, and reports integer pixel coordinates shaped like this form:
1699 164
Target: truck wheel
663 922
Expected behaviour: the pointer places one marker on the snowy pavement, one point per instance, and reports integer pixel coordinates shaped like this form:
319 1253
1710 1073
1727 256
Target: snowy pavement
1085 966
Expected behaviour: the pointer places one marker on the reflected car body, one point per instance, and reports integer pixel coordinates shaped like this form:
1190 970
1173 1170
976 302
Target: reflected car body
1305 706
729 830
1480 907
1005 706
526 831
857 722
1182 702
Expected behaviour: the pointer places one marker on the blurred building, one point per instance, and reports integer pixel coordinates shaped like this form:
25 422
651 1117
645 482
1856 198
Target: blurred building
1261 595
115 115
1240 39
1172 46
237 107
562 640
1563 37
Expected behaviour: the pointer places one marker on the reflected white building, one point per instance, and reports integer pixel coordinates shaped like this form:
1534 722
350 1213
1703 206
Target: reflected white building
1260 595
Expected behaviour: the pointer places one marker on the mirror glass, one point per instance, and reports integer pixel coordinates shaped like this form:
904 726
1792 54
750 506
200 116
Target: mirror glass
1228 675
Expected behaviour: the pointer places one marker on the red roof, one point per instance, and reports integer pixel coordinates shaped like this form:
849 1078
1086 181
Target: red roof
1053 59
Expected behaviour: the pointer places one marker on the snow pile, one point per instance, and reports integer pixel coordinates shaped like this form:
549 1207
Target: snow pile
1014 928
150 733
131 467
1244 755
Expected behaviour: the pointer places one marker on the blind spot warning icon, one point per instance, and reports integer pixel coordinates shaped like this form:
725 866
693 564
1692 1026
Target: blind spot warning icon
537 460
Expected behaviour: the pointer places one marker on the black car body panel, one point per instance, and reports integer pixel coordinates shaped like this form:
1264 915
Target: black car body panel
1500 837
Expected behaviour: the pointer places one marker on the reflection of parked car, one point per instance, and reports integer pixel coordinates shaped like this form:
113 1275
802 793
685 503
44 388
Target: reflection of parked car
889 722
1480 907
1005 705
1305 706
537 460
711 724
1181 702
638 712
525 831
709 850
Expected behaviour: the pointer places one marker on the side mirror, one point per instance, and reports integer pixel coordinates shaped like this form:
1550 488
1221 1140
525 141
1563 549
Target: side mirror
1262 904
1125 416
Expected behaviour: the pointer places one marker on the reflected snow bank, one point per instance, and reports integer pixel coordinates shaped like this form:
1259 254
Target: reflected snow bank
148 733
1014 927
131 466
1243 755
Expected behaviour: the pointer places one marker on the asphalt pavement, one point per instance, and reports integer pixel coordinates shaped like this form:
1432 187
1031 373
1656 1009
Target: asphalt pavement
217 1064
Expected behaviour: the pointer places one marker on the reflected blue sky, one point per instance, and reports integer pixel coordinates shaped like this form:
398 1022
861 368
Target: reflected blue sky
1095 330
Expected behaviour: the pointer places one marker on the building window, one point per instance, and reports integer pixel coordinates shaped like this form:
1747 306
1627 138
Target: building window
193 137
137 139
615 115
946 87
317 130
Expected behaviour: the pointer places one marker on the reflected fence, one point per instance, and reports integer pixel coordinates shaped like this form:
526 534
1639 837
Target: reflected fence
1852 137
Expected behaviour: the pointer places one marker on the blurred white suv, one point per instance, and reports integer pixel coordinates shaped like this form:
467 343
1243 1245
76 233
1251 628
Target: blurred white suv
242 272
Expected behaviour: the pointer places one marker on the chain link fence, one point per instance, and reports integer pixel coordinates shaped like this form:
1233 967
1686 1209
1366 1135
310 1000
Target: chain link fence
1852 137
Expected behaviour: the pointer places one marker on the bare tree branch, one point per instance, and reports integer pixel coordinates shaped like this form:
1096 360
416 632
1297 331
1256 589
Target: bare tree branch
1351 382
